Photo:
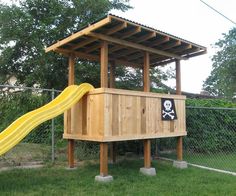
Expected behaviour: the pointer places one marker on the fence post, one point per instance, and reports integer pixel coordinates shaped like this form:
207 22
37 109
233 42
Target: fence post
53 130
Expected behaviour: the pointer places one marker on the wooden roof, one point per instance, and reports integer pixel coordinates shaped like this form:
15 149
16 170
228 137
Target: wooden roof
127 42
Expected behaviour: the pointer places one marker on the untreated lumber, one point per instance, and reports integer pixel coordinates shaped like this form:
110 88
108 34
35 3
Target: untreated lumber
131 32
116 28
79 33
171 45
104 64
133 45
95 58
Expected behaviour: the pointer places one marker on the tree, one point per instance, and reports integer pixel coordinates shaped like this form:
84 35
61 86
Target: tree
222 80
26 29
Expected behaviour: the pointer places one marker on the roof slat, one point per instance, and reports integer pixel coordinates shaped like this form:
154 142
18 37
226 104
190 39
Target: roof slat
133 45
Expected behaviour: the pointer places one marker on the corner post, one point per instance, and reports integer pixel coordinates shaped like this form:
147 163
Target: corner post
103 159
104 65
147 169
104 177
113 145
71 142
179 148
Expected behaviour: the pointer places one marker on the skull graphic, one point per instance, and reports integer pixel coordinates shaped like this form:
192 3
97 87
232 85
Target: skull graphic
167 104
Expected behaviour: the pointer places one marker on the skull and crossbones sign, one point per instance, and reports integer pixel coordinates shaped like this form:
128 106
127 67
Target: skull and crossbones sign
168 111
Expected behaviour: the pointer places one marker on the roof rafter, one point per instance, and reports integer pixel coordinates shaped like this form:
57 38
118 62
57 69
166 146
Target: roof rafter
133 45
79 33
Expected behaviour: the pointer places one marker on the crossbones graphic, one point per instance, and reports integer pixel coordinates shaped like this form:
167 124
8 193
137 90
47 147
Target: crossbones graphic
168 112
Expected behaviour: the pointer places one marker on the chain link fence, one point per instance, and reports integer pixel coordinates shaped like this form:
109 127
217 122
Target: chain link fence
45 143
211 139
39 145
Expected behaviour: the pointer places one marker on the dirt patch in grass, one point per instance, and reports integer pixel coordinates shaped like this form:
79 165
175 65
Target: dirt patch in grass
25 154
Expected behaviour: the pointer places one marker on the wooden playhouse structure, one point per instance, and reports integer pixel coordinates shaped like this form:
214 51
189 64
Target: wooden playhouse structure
106 114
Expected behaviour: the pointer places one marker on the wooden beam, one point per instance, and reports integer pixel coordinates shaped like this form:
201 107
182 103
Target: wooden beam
103 159
159 41
71 76
179 148
131 32
147 153
81 55
171 45
104 65
195 54
95 58
132 45
108 32
181 48
79 33
83 43
71 143
116 28
178 77
163 62
146 72
70 153
146 37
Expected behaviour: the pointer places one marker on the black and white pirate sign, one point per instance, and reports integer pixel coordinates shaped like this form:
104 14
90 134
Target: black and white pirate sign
168 111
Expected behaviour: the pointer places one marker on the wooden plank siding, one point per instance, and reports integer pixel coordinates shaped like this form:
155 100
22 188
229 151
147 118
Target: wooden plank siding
117 115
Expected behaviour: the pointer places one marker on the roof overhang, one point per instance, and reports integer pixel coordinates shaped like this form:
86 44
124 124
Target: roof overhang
127 43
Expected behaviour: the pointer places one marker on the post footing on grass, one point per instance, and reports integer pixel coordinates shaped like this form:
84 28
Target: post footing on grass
105 179
180 164
148 171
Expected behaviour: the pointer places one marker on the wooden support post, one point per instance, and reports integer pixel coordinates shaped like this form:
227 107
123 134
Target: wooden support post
179 148
147 153
146 88
104 64
71 149
71 143
112 85
178 77
146 73
103 159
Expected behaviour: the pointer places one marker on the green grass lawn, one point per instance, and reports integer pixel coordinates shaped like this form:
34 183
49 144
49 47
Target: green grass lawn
224 161
127 181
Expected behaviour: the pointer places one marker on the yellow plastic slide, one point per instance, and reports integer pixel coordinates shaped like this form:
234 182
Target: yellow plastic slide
21 127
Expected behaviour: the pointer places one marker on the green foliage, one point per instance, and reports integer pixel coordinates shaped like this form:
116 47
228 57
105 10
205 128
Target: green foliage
28 27
14 105
223 103
222 80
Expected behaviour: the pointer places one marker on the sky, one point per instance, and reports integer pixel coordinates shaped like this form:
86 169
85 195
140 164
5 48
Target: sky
191 20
